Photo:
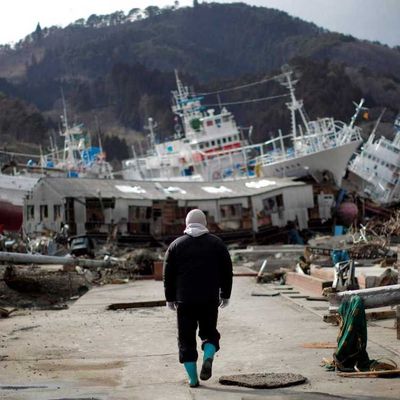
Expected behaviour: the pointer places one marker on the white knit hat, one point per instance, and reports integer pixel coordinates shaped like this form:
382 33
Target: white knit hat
196 216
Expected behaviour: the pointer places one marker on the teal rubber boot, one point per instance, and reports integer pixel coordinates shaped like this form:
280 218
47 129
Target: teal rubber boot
206 369
191 370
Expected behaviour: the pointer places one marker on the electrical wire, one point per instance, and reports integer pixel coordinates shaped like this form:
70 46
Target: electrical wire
241 86
247 101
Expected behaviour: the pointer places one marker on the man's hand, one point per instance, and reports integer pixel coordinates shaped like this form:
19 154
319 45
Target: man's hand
172 305
223 302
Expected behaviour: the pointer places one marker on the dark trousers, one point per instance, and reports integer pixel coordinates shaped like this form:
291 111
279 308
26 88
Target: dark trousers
191 316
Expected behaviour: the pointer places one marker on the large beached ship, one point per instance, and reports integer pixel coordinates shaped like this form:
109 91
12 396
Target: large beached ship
211 146
375 171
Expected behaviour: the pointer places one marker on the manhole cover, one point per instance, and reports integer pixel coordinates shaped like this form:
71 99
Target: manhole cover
263 381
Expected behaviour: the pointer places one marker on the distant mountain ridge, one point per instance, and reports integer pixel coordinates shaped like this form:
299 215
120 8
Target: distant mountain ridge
123 72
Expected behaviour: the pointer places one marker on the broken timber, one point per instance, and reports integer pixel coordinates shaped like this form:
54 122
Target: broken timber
22 258
373 298
370 316
137 304
370 374
4 313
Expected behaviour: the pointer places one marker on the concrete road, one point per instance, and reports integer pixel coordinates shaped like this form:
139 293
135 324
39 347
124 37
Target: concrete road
87 352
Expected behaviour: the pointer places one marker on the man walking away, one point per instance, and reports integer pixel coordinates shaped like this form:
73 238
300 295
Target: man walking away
197 279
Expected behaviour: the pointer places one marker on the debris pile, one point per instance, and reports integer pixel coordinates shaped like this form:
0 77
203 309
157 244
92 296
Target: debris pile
389 227
33 286
42 281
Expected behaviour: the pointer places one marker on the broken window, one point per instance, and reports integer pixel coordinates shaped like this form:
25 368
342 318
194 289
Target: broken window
232 211
139 218
270 205
30 212
139 213
95 208
44 212
57 212
273 204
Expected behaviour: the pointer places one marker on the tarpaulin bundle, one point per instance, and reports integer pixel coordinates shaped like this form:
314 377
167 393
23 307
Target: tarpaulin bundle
351 353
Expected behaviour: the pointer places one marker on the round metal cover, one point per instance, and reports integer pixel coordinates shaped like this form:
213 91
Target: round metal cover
263 380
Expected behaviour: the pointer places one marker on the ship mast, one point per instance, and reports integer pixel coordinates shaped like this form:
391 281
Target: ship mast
294 105
68 137
359 107
186 106
396 127
150 127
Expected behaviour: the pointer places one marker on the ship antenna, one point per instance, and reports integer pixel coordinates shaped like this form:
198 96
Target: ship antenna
294 105
359 107
65 117
68 141
151 125
181 89
378 122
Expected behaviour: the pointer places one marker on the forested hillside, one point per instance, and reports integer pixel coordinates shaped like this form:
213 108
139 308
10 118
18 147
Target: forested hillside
117 70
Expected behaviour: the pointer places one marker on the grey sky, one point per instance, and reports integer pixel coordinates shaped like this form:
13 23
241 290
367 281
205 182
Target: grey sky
364 19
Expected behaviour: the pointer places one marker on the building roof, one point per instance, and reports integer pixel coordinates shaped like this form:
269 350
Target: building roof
14 188
150 190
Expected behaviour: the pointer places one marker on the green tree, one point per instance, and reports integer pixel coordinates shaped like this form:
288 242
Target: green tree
152 11
93 21
38 34
134 14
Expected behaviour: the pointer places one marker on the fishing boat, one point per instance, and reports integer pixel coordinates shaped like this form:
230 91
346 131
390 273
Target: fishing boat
77 159
375 170
210 146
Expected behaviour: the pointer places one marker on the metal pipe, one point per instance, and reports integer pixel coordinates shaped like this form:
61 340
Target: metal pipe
22 258
374 297
263 266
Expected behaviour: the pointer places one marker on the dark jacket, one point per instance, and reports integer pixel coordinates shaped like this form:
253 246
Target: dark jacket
197 270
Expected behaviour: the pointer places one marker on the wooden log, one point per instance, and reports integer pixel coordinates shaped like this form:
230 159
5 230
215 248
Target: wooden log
22 258
373 298
369 374
266 294
370 316
378 315
4 313
136 304
333 318
316 298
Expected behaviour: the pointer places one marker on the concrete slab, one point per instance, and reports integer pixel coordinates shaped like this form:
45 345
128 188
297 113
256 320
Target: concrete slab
89 352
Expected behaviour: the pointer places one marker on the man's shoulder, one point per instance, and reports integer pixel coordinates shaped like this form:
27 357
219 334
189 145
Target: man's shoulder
215 238
217 241
187 238
178 240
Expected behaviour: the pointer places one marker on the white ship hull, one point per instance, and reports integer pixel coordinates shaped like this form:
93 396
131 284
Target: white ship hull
212 147
333 160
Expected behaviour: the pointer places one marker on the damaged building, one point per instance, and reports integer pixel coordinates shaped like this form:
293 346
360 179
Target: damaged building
140 209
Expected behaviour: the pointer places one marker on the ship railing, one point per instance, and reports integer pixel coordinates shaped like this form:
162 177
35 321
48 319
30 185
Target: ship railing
369 175
264 148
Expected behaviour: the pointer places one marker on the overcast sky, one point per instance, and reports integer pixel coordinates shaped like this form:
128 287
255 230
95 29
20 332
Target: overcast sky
364 19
